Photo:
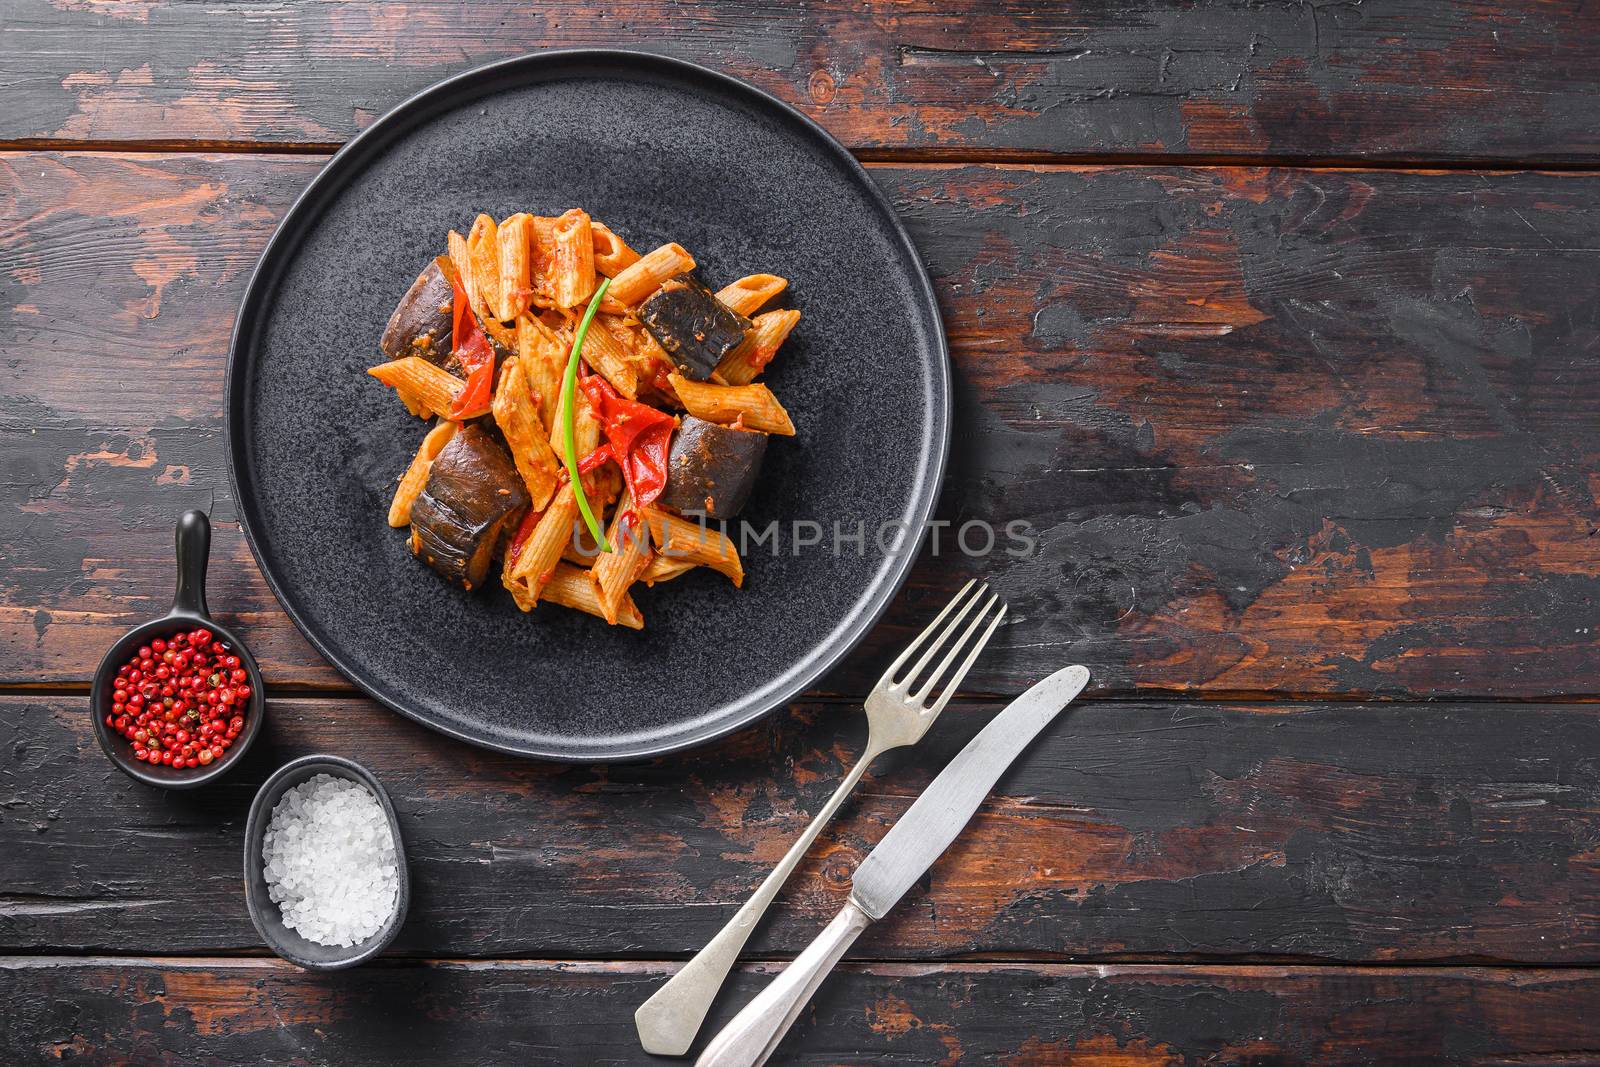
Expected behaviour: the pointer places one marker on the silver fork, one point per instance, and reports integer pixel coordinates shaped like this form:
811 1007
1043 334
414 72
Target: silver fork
896 716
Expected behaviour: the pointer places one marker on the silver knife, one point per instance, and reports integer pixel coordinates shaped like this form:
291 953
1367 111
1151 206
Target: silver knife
904 854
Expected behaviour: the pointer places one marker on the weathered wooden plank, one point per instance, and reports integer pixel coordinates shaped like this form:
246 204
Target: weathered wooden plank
267 1012
1346 832
1411 80
1278 431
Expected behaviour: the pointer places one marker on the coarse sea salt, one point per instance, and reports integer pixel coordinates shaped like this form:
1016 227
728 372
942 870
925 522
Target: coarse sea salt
330 862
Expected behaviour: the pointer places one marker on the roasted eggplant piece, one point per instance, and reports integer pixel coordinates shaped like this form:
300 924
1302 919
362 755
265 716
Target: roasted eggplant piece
472 496
695 328
421 324
711 469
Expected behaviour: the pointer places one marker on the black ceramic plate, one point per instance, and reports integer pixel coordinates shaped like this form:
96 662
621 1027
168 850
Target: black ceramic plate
661 151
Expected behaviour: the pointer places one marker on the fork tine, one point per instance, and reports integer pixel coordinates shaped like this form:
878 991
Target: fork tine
936 645
888 675
955 648
966 665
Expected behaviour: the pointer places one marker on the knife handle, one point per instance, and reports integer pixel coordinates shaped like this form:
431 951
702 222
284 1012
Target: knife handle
754 1033
668 1021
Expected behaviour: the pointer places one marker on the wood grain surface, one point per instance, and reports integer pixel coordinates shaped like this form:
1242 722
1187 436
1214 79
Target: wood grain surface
264 1012
1346 832
1277 326
1277 431
1410 80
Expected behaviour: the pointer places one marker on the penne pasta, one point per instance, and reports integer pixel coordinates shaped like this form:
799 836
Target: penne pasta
543 362
665 568
750 406
615 363
748 293
425 388
643 353
466 274
585 429
582 550
416 475
461 259
515 261
616 570
649 348
612 255
542 252
678 538
645 276
603 484
741 366
521 594
520 588
505 338
483 253
572 587
524 284
518 418
542 551
572 269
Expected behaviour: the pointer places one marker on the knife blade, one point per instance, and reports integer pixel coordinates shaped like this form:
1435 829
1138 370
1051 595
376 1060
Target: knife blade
905 853
948 804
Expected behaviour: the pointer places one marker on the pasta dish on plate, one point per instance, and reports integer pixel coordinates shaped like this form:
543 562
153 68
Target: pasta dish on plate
591 409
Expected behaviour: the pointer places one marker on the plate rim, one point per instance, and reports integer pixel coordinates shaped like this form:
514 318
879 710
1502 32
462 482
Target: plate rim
348 162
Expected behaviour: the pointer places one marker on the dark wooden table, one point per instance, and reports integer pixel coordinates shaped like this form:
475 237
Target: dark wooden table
1278 322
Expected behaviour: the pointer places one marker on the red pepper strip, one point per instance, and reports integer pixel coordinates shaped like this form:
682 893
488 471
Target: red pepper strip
473 352
598 458
520 538
592 462
662 379
638 437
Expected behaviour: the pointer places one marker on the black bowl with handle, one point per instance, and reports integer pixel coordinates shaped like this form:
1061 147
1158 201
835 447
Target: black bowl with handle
188 612
264 912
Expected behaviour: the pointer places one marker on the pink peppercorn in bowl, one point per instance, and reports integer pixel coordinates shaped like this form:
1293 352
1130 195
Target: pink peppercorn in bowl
177 701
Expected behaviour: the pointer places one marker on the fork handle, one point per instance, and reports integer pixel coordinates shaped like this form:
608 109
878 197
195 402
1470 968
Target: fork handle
668 1021
754 1033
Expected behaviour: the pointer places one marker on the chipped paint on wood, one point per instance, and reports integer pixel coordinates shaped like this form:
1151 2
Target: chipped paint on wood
415 1012
1343 831
1284 432
1277 431
1411 80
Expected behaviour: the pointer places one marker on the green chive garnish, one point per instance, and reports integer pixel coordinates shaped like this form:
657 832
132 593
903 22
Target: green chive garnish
569 388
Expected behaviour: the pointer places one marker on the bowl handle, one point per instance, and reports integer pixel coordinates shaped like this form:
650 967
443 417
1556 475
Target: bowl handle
194 550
